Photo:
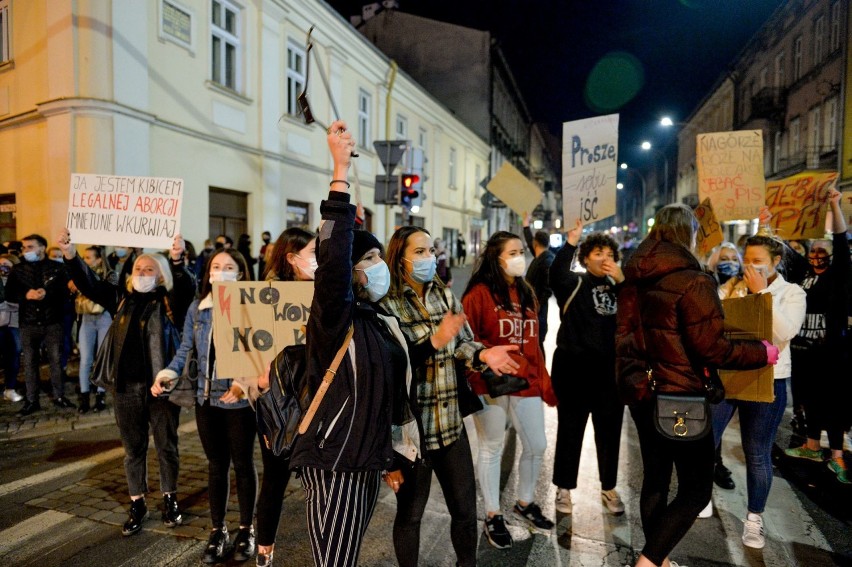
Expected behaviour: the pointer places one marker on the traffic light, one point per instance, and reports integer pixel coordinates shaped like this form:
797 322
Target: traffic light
408 189
390 153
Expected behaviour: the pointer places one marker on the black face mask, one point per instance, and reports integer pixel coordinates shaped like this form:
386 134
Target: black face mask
819 262
266 240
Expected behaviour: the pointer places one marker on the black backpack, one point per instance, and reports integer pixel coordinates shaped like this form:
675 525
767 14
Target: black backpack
280 409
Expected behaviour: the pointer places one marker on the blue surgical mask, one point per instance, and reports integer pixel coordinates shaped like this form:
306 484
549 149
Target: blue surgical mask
378 281
120 252
728 268
31 256
423 270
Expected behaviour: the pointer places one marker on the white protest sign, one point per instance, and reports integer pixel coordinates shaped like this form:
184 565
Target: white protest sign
589 167
113 210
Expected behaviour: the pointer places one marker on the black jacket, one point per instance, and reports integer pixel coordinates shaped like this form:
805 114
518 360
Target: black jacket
47 274
538 273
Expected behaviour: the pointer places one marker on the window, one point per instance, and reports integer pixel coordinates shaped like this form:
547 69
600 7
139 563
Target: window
295 76
779 70
298 214
451 167
364 105
814 136
477 179
797 58
834 40
776 154
225 48
422 138
795 142
5 55
819 39
830 135
401 127
764 77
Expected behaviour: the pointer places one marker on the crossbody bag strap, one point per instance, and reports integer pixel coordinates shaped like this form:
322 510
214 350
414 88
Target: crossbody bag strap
326 382
571 297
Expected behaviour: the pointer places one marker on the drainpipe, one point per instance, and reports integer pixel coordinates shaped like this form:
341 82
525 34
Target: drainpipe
391 80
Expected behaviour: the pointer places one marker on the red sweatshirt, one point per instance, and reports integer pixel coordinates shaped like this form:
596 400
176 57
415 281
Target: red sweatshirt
492 325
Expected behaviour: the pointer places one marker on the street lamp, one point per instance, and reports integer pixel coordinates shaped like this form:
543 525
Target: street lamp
646 145
642 181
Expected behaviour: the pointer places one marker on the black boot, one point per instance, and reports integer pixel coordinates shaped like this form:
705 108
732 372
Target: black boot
171 513
138 513
721 473
217 546
244 544
100 404
84 403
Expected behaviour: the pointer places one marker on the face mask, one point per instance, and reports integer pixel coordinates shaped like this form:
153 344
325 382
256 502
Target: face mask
515 266
762 270
819 262
5 270
31 256
57 259
310 271
224 276
378 281
120 252
423 270
144 284
728 268
266 239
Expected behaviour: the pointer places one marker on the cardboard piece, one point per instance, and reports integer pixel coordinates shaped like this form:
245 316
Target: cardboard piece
730 173
749 317
846 207
589 168
513 188
253 321
709 230
799 204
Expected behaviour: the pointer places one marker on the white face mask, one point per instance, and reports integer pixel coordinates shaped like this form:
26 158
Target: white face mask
224 276
515 266
309 271
144 284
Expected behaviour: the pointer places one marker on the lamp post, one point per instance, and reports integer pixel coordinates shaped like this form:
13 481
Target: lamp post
646 145
635 171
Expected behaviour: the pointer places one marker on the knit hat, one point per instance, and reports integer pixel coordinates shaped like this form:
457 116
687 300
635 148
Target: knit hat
362 242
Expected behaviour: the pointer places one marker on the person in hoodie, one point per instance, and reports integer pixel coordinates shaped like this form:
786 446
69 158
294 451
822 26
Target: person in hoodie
670 322
350 440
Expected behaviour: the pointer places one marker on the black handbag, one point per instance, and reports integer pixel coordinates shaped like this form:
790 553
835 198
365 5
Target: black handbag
680 417
503 384
185 388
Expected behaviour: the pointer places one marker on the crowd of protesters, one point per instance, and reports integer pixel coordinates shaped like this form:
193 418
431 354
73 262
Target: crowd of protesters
417 360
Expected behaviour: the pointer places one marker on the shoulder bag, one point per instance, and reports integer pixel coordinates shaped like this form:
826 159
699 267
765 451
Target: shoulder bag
186 386
507 383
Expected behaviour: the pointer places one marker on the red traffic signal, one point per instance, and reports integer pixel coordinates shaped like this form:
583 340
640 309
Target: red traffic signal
409 180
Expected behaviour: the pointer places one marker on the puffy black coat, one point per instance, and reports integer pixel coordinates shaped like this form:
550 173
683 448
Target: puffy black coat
668 301
46 274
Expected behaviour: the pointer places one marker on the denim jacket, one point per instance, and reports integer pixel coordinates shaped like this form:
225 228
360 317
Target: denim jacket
198 330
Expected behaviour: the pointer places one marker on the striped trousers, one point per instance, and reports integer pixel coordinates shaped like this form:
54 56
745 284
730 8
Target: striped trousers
339 506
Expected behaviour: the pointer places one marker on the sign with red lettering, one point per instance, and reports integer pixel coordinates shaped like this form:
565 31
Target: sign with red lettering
589 166
709 230
113 210
730 173
799 203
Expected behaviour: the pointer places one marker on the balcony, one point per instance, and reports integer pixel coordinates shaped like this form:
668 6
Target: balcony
809 157
769 103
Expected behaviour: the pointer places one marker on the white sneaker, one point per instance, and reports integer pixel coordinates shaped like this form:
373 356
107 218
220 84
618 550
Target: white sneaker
12 396
707 511
563 501
753 531
612 501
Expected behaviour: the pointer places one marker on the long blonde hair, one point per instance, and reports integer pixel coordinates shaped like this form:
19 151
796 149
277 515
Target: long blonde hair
166 279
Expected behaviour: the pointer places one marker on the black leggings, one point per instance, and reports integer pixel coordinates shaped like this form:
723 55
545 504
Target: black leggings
226 435
823 391
665 523
276 475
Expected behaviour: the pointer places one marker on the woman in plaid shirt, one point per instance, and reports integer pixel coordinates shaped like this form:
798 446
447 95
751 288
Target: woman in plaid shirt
431 317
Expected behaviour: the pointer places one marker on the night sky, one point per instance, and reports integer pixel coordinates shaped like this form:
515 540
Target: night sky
668 54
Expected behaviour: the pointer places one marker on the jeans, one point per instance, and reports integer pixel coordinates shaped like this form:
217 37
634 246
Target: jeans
453 465
276 475
32 337
10 350
759 423
228 435
93 329
528 418
665 523
137 411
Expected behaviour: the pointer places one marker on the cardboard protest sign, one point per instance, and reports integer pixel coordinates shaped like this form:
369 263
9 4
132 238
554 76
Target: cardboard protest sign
846 207
253 321
730 173
112 210
799 203
513 188
749 317
709 230
589 167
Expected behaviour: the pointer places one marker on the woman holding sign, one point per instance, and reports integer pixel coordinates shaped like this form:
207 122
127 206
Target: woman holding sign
141 339
226 422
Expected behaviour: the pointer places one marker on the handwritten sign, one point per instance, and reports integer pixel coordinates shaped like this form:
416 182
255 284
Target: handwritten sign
253 321
513 188
142 212
799 203
730 173
589 167
846 207
709 230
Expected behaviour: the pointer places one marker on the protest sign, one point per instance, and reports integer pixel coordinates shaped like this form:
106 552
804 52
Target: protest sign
253 321
730 173
709 230
749 317
112 210
799 203
846 207
510 186
589 166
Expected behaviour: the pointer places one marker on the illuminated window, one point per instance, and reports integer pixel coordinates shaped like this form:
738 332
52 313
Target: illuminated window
364 104
225 46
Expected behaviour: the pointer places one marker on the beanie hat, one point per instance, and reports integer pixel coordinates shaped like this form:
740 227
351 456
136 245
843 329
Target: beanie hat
362 242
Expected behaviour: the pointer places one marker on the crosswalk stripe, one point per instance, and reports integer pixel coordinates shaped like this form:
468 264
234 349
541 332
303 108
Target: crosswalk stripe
37 525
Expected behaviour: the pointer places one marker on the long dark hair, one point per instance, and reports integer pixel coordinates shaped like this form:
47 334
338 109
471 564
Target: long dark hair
487 271
291 240
675 223
394 254
206 286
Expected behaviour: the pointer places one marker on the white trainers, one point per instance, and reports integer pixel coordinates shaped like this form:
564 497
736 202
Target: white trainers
753 531
612 501
707 511
563 501
12 396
